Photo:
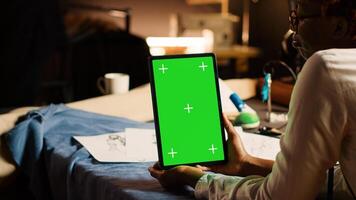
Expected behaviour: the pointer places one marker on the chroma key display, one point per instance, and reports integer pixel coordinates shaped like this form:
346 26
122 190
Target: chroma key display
187 109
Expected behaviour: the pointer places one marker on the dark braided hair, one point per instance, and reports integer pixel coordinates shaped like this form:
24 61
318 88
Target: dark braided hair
345 8
342 8
339 8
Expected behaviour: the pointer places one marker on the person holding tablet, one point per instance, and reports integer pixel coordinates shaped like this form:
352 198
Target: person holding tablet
322 121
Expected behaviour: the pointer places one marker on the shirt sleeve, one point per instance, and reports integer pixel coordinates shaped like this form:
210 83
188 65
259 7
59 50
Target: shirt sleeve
310 146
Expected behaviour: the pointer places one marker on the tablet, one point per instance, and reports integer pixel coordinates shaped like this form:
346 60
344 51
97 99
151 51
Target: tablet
187 110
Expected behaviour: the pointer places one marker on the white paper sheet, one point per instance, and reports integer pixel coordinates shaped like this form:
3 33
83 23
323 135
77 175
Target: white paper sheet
226 103
259 145
139 145
132 145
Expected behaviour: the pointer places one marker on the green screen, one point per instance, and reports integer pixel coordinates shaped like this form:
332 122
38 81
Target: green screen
188 110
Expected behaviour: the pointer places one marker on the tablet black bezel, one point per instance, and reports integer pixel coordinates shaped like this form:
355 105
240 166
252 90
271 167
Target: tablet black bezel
155 110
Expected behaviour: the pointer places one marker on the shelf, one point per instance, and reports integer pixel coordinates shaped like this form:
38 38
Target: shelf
202 2
224 4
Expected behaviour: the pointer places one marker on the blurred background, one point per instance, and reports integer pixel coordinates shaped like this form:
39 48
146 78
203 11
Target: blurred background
55 51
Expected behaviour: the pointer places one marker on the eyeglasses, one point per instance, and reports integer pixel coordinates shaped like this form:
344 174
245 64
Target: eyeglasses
294 19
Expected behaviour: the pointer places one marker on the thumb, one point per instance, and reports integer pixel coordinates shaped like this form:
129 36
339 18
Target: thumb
231 132
154 172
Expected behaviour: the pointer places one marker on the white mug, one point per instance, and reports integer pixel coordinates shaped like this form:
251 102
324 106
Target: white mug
113 83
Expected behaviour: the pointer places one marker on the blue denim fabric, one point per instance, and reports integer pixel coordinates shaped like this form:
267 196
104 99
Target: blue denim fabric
60 168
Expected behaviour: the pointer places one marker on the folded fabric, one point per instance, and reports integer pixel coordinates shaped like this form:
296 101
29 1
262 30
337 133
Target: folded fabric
60 168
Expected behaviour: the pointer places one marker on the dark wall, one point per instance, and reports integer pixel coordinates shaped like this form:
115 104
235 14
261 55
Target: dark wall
32 32
151 17
268 24
268 20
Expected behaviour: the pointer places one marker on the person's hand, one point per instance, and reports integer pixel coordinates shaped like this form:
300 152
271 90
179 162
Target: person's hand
177 177
237 155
